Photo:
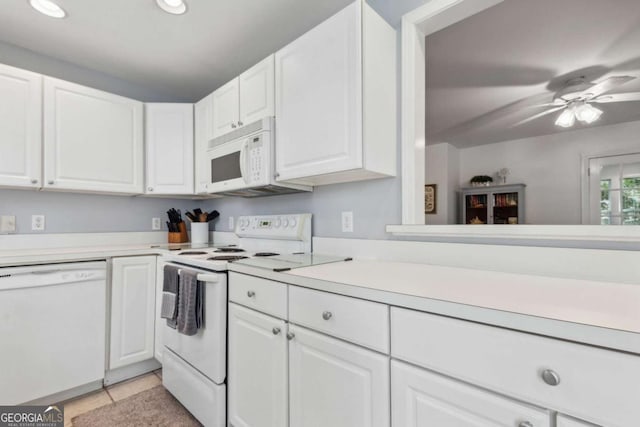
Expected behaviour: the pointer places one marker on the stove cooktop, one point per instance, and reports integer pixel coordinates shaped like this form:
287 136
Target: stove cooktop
229 258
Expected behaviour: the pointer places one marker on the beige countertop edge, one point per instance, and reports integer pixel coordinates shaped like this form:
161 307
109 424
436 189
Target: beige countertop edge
570 331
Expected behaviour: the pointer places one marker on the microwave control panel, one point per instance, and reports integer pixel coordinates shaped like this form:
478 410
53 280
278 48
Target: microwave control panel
257 159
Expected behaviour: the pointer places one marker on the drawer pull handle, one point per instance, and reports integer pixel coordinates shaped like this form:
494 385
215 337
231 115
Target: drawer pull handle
550 377
327 315
275 331
525 424
290 335
251 294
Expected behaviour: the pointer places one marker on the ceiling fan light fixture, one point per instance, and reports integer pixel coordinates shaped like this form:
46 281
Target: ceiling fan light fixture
566 119
587 113
174 7
49 8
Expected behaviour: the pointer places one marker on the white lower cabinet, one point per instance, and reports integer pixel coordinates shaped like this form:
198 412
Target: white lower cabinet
132 310
334 383
564 421
421 398
257 369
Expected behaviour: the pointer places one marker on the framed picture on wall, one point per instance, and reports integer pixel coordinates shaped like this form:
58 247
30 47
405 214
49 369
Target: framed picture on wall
430 200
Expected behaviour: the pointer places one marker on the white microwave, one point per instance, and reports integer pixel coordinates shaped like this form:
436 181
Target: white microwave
242 162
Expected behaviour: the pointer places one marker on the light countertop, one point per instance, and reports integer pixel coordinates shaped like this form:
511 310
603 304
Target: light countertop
599 313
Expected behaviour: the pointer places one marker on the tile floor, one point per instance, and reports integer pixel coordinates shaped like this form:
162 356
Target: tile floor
110 394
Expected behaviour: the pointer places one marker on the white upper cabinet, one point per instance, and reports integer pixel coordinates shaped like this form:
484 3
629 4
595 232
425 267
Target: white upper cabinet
93 140
226 104
257 87
20 128
169 148
245 99
336 100
203 124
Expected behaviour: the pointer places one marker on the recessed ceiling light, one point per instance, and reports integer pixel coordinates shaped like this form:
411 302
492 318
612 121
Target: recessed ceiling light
48 8
175 7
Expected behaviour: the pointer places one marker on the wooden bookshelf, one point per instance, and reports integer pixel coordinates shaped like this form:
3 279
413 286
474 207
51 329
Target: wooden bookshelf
496 204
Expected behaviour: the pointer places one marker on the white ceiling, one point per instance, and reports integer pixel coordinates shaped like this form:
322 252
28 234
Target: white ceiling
482 71
188 55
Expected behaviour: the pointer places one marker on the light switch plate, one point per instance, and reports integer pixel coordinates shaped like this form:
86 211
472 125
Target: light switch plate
347 222
7 224
37 222
155 224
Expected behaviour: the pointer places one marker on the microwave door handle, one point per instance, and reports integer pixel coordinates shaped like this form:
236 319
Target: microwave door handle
243 160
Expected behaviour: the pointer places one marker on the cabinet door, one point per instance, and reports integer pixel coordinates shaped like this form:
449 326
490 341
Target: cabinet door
421 398
333 383
93 140
564 421
203 111
226 108
169 143
133 287
319 99
257 86
257 372
20 127
159 323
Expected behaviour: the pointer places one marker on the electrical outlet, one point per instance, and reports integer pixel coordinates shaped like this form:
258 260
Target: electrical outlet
155 224
347 222
7 224
231 224
37 222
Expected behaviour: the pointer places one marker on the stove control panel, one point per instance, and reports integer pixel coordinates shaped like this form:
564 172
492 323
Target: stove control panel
284 227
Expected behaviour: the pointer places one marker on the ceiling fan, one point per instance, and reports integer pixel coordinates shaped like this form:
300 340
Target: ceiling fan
576 99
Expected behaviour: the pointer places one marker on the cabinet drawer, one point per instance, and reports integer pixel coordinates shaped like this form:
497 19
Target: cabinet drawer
596 385
422 398
359 321
263 295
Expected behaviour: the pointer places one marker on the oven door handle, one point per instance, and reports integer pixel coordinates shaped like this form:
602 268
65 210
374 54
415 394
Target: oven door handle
209 278
243 161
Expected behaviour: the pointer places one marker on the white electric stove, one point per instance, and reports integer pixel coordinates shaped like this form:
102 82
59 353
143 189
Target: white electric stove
194 367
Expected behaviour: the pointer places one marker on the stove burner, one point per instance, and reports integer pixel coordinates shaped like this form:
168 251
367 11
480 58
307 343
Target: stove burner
227 258
229 250
192 253
265 254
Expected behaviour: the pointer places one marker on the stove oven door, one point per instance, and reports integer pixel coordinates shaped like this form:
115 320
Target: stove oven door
205 351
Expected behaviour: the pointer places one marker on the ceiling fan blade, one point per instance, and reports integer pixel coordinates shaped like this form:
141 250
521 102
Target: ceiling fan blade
617 97
539 115
555 103
607 85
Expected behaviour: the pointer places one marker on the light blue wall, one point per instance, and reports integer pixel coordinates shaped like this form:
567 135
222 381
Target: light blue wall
373 203
84 213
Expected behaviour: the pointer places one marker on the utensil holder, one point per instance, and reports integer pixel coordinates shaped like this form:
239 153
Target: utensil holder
175 237
179 236
200 232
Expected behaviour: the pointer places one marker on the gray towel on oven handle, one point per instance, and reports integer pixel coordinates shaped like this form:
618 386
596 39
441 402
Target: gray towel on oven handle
170 290
190 303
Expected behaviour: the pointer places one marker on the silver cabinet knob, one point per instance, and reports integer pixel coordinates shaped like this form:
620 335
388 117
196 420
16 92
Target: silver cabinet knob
34 181
550 377
240 124
149 188
290 335
251 294
525 424
275 331
326 315
50 182
233 125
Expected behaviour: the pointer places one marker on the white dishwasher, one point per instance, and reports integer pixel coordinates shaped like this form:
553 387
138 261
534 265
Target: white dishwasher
52 329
